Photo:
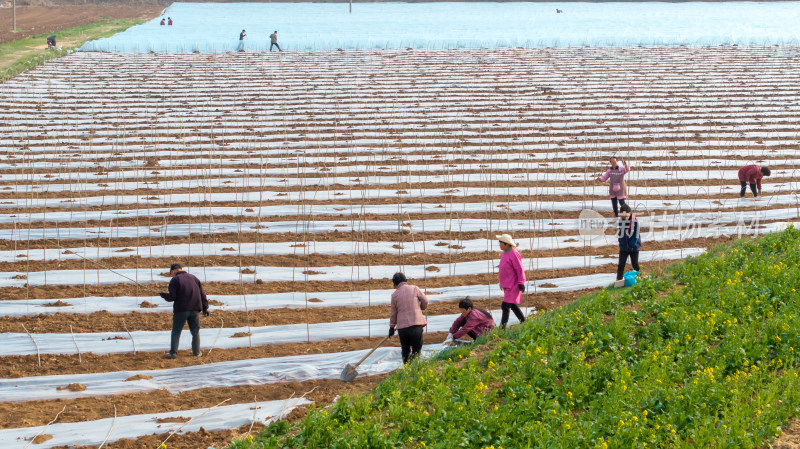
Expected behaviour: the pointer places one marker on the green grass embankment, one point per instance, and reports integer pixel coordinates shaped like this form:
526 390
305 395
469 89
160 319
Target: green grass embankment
702 357
19 56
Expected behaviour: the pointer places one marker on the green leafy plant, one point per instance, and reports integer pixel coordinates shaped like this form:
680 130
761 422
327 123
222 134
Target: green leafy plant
705 357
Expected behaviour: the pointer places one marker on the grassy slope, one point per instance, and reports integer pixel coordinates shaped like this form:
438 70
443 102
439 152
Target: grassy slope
19 56
702 357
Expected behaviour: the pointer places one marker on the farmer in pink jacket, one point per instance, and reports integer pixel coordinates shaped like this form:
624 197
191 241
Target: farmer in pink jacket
473 321
752 174
512 278
406 316
617 189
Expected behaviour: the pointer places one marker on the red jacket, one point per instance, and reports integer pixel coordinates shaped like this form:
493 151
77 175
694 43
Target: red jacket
478 321
751 174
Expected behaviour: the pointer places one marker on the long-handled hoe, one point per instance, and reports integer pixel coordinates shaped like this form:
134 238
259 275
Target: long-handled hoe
349 372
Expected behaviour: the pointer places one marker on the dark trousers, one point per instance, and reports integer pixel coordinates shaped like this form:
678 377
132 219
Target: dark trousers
410 342
508 306
275 44
178 320
614 205
753 188
623 259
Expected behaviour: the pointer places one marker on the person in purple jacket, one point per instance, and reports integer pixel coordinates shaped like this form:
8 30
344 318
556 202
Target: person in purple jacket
512 278
617 188
473 321
188 300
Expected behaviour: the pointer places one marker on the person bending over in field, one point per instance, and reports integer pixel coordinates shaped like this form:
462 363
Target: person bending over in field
617 189
188 299
512 279
630 242
473 321
752 174
406 316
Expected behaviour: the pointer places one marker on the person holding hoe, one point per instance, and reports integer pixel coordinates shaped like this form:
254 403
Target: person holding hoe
752 174
473 321
617 189
188 300
406 316
512 278
630 241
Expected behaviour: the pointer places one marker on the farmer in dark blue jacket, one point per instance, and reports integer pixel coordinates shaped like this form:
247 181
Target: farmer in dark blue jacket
629 240
188 298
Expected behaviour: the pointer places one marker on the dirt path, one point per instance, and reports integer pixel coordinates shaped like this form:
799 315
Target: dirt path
36 20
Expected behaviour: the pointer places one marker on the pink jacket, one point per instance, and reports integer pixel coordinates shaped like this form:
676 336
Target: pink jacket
510 270
478 321
408 302
617 188
751 174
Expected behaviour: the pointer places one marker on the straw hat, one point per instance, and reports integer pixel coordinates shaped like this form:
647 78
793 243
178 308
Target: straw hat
506 238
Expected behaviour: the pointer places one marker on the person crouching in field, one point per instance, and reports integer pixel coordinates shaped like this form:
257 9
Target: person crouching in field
752 174
188 299
617 189
512 278
629 240
473 321
406 316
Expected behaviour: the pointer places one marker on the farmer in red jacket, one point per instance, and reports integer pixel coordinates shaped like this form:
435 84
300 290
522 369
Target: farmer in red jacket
752 174
473 321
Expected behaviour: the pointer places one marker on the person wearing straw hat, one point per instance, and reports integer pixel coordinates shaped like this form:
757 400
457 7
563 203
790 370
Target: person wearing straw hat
617 188
406 316
512 278
188 299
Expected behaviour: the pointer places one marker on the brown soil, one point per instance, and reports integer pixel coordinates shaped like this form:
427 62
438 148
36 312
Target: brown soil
39 439
107 322
35 413
790 438
23 366
138 377
73 387
36 20
78 291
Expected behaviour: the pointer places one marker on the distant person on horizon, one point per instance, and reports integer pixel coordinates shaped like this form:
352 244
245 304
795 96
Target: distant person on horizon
752 174
512 279
617 189
273 39
188 300
241 40
163 22
169 21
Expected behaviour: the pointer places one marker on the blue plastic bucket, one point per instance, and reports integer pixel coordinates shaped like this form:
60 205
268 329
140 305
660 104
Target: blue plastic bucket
630 278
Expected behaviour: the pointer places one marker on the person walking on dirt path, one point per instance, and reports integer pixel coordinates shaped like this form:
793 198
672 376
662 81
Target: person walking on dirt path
273 40
512 278
473 321
752 174
406 316
188 300
169 21
617 189
630 241
241 40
